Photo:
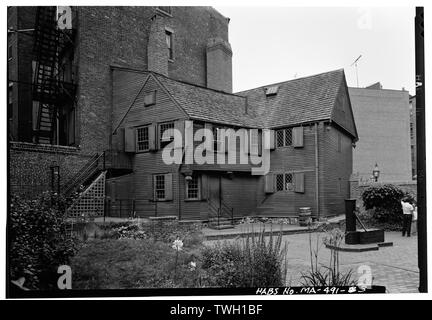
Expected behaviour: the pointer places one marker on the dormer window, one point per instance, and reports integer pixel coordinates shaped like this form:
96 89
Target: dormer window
272 91
150 99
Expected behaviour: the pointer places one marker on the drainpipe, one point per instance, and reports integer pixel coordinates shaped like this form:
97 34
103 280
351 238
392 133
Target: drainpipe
316 172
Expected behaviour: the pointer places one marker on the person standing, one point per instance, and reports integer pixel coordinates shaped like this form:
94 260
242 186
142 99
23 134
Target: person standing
407 209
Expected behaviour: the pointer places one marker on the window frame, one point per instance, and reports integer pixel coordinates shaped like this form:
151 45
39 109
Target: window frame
284 137
137 141
156 189
153 93
161 142
285 187
169 34
197 189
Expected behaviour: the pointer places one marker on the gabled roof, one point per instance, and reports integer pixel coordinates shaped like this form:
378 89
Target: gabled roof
288 103
297 101
209 105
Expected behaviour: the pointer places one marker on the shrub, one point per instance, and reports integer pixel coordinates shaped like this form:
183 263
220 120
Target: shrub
255 261
38 240
385 202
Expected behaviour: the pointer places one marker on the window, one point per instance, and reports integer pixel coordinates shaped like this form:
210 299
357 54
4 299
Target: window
254 142
339 145
150 99
160 187
289 182
284 182
193 188
10 53
272 91
10 100
284 137
169 135
142 139
169 41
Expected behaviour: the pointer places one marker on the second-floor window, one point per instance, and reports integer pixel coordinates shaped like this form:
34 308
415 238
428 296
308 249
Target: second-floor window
284 137
168 129
142 139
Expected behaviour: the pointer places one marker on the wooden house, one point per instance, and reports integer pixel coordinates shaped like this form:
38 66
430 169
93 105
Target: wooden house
310 159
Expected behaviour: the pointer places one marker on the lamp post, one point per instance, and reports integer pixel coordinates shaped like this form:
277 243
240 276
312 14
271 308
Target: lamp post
376 172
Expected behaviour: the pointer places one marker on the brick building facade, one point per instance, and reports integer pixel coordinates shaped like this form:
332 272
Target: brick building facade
382 118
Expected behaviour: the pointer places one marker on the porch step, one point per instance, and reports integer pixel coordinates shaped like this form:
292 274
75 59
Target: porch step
222 223
221 226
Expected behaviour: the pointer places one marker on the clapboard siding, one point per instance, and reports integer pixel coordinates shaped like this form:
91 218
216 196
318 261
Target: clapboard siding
335 165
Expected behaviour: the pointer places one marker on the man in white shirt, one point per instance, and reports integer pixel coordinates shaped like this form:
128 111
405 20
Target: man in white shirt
407 209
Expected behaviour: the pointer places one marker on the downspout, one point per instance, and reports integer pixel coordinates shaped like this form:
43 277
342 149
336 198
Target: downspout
316 172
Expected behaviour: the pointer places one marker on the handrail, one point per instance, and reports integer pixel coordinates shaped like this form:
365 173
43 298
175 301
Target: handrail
89 168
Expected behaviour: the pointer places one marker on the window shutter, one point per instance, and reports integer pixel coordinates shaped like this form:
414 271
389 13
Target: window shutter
168 186
153 187
260 137
204 187
299 182
152 137
179 125
209 126
129 138
272 139
297 137
269 183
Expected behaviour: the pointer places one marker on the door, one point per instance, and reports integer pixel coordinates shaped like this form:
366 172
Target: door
214 191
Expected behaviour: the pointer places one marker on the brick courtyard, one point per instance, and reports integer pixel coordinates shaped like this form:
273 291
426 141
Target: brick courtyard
393 267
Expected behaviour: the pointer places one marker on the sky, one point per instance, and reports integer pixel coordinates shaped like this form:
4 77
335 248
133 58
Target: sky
274 44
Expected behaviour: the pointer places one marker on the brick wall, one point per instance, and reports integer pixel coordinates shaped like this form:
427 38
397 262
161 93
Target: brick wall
382 119
29 166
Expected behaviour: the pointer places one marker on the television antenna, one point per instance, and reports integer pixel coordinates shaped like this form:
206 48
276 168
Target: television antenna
355 64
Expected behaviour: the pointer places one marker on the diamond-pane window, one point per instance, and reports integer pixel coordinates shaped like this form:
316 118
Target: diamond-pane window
280 138
289 186
279 182
284 137
288 136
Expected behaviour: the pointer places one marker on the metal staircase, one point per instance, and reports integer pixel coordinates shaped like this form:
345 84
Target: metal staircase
115 163
48 88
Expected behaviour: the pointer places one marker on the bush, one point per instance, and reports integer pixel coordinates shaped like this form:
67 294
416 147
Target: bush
38 240
385 202
253 262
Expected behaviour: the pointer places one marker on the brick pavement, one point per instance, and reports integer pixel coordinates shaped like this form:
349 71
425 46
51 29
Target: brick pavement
393 267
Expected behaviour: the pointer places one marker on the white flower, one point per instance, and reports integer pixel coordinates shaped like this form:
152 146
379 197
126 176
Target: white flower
192 265
177 245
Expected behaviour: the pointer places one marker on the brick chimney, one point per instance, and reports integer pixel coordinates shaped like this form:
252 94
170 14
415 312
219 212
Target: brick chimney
219 65
157 48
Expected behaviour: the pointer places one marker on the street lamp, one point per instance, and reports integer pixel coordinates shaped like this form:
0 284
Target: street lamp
376 172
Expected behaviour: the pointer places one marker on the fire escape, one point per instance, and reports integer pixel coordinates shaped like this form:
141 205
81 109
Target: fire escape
50 88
